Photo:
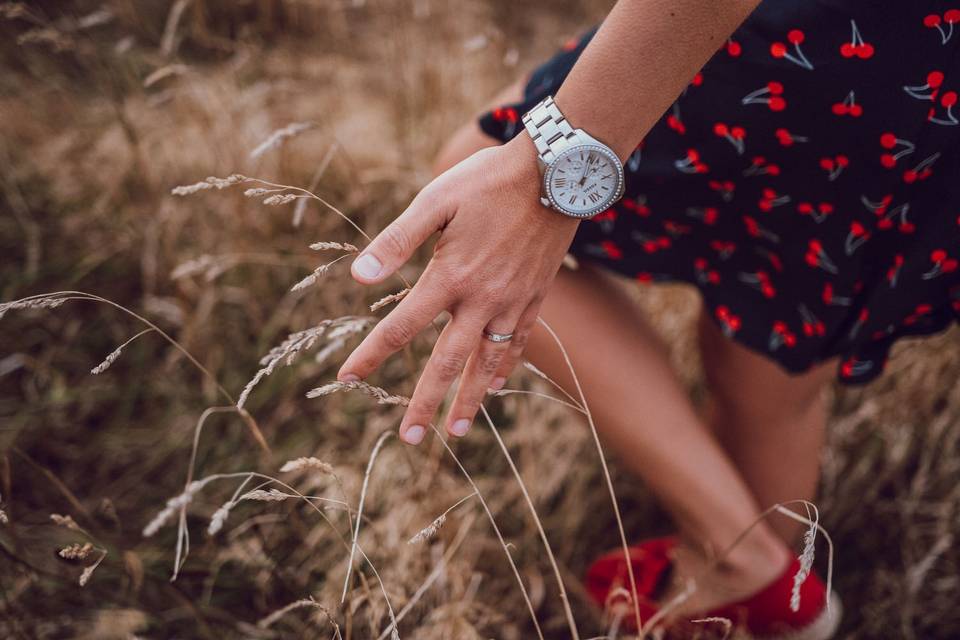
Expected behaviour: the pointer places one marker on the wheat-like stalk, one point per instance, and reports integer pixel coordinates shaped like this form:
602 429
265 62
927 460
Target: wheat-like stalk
431 529
496 530
278 137
270 495
726 623
174 505
393 297
306 463
806 559
363 495
301 206
285 353
355 548
55 299
439 570
51 301
281 198
64 521
163 73
210 266
88 571
529 366
509 392
76 551
211 182
113 355
382 395
298 342
606 472
309 602
312 279
341 246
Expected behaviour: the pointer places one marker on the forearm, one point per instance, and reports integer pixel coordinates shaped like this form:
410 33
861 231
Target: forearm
639 61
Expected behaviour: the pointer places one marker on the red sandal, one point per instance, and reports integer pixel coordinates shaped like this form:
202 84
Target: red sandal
766 614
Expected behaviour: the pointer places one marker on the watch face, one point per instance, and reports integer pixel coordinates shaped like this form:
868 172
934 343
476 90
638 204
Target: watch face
584 180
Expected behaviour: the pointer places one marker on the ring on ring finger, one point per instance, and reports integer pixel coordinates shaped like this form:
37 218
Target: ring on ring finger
493 336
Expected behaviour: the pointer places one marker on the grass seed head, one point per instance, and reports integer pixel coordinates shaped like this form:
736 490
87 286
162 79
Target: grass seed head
278 137
270 495
76 551
280 198
393 297
64 521
382 395
342 246
306 463
429 531
211 182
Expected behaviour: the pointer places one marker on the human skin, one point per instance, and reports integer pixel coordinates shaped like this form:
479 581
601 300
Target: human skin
499 249
640 407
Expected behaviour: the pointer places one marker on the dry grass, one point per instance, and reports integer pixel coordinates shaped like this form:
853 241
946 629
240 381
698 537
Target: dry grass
104 111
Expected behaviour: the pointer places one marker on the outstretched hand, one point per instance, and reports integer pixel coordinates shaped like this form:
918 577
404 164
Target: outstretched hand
498 252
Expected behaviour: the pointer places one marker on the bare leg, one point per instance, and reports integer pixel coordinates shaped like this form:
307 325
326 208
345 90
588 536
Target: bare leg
766 418
643 412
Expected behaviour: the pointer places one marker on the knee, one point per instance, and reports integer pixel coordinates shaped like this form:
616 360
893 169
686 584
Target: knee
791 400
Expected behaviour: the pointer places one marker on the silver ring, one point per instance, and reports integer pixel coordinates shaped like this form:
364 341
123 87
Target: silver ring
497 337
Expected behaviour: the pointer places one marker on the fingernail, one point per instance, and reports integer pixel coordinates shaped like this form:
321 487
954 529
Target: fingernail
414 434
498 383
367 266
460 427
349 377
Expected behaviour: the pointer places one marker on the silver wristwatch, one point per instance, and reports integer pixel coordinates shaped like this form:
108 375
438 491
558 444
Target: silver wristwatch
581 175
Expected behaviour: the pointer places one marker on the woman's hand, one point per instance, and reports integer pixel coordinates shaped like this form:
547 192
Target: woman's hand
498 252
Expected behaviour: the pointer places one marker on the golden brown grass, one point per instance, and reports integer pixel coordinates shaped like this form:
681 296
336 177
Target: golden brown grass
105 113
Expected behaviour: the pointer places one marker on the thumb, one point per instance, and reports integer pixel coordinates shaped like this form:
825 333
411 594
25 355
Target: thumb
396 243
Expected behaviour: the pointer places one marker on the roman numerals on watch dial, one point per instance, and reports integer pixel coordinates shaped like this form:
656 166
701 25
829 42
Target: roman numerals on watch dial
583 179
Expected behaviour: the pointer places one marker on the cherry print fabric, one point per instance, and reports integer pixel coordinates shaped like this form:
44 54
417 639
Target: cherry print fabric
807 181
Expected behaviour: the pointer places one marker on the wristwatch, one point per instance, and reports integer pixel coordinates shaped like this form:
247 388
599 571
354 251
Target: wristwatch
581 175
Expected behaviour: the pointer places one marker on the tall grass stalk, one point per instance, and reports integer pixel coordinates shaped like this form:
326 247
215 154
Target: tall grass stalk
606 470
363 496
434 575
496 529
82 295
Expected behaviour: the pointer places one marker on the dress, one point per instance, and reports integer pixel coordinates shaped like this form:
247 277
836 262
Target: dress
807 181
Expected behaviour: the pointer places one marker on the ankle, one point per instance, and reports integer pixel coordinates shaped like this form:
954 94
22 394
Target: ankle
759 558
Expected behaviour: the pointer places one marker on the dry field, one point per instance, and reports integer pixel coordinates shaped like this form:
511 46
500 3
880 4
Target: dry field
104 108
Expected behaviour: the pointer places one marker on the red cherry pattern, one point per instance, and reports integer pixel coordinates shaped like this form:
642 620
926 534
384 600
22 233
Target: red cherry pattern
821 193
703 272
729 322
848 107
856 47
819 212
780 335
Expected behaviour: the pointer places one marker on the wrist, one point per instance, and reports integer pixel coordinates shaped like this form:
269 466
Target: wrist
527 169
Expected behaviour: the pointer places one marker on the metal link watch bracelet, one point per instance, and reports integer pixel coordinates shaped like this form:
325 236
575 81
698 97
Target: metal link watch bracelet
581 175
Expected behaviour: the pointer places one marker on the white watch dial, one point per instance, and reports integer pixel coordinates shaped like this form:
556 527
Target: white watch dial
584 180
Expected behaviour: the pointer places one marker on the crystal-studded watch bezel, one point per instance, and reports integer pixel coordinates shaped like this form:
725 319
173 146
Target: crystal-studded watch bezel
604 205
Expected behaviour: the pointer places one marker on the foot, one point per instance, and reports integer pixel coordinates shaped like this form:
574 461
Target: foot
761 610
699 583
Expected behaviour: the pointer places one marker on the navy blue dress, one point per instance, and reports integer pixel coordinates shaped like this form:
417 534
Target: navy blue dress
807 181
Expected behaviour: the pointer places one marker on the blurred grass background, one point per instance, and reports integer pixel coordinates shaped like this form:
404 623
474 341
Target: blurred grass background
104 107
